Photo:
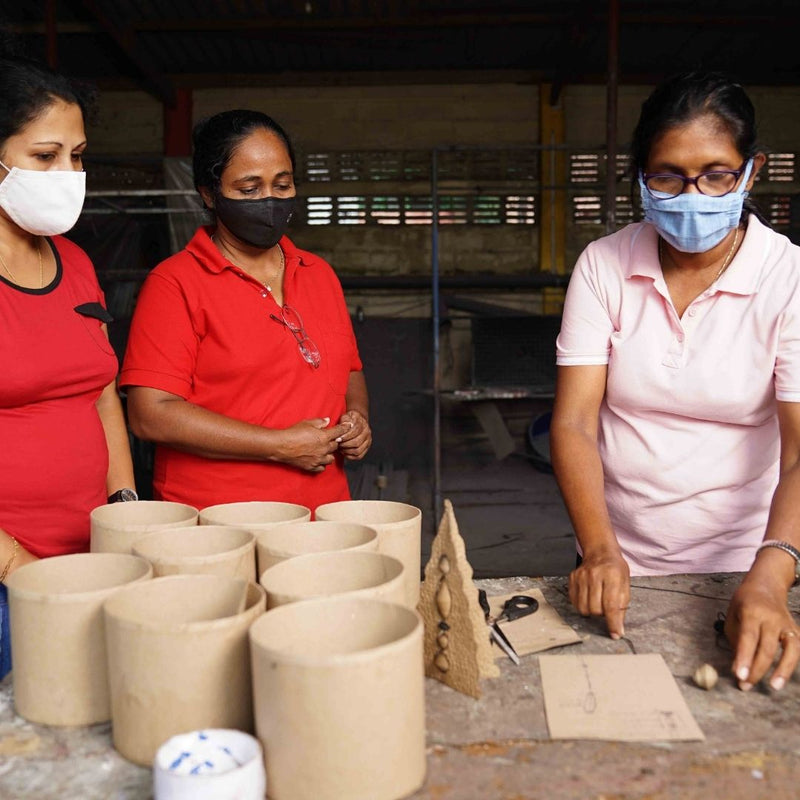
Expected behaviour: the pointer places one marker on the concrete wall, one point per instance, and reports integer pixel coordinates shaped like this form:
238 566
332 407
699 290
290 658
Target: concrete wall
419 117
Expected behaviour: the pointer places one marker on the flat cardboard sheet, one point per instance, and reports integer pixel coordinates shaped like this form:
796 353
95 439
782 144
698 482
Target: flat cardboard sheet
542 630
624 698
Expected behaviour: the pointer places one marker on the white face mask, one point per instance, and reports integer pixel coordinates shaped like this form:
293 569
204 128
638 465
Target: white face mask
44 203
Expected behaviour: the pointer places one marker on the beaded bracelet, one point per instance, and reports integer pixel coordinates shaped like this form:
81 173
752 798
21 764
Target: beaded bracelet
10 560
787 548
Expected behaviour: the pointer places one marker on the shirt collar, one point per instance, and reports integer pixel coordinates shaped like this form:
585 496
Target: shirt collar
205 251
742 276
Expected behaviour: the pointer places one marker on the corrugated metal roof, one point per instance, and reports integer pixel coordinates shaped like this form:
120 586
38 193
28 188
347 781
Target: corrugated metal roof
155 42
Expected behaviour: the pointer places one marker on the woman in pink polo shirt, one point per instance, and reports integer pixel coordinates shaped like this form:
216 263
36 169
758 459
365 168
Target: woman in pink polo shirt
676 428
241 363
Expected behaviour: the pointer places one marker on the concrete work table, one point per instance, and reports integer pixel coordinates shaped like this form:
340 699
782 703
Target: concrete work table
497 748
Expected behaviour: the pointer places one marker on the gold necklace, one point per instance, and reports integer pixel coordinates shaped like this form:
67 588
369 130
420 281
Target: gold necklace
728 256
725 263
268 282
41 266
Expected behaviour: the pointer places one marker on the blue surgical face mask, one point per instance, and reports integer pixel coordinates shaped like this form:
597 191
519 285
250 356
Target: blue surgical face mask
692 222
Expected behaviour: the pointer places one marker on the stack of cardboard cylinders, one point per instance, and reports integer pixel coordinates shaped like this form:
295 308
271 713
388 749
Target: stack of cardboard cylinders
338 689
399 528
287 541
254 515
327 574
200 549
57 634
178 659
115 527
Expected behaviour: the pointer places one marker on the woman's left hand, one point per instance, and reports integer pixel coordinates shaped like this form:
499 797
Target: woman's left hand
355 442
760 626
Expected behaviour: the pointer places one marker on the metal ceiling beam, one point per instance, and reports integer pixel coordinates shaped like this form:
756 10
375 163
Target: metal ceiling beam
451 20
153 81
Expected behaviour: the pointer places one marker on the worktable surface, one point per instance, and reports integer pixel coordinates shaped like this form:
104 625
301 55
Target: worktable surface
497 748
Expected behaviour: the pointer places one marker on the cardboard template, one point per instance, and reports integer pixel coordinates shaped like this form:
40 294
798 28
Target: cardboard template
542 630
624 698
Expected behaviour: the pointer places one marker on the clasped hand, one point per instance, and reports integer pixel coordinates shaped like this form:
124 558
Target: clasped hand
310 445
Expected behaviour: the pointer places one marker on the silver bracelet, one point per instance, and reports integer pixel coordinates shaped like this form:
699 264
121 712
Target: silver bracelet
787 548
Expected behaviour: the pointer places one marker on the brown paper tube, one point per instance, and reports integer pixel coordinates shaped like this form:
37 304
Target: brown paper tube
57 637
287 541
399 528
115 527
200 549
339 699
178 659
254 516
344 572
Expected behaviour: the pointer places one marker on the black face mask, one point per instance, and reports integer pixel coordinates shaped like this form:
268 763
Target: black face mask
260 223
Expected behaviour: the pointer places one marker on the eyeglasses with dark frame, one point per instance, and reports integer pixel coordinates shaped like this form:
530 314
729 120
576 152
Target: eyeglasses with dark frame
714 183
294 322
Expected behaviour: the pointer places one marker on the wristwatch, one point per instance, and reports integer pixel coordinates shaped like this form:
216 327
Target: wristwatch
787 548
123 496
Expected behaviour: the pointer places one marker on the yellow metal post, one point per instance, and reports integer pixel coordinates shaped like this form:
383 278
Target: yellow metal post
553 216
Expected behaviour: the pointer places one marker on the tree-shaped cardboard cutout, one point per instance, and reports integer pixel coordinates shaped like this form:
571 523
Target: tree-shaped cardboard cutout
457 647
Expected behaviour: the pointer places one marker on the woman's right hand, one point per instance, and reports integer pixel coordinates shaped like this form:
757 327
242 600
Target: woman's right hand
310 444
601 586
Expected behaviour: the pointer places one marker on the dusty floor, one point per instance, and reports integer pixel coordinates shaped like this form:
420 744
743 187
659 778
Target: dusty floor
510 515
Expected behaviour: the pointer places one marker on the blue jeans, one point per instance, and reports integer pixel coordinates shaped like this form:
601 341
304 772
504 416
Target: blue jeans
5 634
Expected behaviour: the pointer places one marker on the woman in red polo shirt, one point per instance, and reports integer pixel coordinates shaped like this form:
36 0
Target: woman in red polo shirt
63 443
242 364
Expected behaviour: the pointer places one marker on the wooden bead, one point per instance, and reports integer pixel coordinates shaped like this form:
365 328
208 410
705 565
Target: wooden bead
443 640
706 676
442 662
444 565
443 601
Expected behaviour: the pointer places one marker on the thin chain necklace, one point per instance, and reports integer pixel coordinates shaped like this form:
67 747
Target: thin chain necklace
725 263
41 266
268 282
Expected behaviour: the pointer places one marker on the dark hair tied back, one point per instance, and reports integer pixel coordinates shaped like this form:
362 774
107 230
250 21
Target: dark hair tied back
216 138
685 97
27 89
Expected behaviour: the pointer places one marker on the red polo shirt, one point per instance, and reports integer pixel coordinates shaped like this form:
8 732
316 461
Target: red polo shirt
202 330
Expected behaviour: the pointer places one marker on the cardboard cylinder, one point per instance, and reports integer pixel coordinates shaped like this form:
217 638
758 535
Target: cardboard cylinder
115 527
210 765
399 528
255 516
287 541
339 699
200 549
344 572
57 635
178 659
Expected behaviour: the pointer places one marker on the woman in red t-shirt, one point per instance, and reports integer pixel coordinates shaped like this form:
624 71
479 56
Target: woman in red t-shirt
242 364
63 443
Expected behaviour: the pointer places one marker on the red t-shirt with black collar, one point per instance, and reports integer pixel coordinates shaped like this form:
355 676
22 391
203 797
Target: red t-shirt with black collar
202 330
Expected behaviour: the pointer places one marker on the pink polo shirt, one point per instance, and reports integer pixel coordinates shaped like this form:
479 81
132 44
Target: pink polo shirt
688 431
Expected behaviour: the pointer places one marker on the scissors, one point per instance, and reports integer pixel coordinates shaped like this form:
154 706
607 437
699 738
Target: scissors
520 605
